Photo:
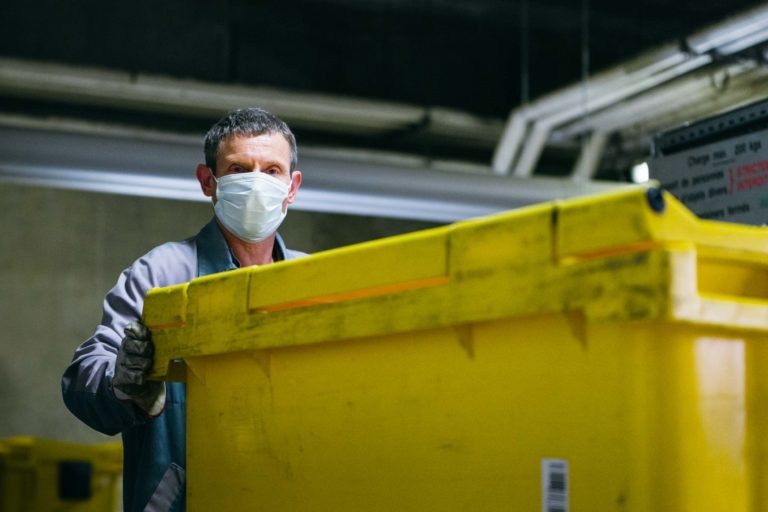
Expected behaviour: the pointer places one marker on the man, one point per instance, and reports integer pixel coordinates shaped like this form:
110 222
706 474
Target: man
250 175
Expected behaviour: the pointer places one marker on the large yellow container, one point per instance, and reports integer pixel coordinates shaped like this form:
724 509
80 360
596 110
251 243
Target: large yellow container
43 475
605 353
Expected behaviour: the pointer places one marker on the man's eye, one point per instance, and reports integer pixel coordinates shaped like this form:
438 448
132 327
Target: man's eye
273 171
238 168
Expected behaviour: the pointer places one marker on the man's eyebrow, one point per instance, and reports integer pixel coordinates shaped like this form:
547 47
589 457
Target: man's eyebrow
271 163
247 163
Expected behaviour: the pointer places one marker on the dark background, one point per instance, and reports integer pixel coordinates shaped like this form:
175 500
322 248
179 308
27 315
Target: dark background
478 56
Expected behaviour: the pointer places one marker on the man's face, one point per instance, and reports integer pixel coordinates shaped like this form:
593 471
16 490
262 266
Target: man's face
268 153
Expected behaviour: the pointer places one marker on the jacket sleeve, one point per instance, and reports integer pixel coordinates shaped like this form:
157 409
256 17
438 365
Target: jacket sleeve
87 382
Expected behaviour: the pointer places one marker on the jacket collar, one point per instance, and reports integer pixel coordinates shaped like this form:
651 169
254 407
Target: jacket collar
214 254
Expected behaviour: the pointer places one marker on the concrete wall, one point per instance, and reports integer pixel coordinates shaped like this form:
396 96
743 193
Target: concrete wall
61 252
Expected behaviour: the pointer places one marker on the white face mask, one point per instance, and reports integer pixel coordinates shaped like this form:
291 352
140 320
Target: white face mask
250 204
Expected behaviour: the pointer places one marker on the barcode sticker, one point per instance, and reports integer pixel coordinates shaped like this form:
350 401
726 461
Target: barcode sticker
554 485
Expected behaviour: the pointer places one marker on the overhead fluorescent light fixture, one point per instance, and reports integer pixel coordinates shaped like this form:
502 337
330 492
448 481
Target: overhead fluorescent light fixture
640 173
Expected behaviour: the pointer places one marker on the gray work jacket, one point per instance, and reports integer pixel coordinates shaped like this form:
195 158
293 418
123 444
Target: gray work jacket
154 448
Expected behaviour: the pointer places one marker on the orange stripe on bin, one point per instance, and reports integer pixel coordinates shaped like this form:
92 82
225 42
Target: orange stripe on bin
356 294
612 251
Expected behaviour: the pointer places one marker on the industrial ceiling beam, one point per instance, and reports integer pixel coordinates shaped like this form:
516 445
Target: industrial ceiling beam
745 81
101 159
528 128
152 93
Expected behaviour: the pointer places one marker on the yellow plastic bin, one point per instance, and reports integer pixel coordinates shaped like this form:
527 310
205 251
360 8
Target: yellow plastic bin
596 354
43 475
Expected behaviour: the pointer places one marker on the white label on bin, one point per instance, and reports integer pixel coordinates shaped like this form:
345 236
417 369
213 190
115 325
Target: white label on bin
554 485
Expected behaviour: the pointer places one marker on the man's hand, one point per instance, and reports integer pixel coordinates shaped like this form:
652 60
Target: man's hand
134 362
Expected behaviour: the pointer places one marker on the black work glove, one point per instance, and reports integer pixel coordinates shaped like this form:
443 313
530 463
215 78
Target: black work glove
134 362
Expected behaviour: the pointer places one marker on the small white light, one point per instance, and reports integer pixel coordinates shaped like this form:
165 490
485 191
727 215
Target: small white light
640 173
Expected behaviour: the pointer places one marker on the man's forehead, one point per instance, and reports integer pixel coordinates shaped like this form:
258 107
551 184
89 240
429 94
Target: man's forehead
277 136
260 142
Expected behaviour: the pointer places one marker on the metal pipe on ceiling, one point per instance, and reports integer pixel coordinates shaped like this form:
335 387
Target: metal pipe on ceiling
526 125
152 93
746 80
589 159
754 87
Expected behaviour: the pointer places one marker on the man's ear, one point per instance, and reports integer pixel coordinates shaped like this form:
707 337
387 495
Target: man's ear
205 178
294 188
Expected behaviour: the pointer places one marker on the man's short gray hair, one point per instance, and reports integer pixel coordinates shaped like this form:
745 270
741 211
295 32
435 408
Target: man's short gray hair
249 122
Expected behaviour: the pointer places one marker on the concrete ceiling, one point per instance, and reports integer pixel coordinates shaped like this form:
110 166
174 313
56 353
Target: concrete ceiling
431 81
